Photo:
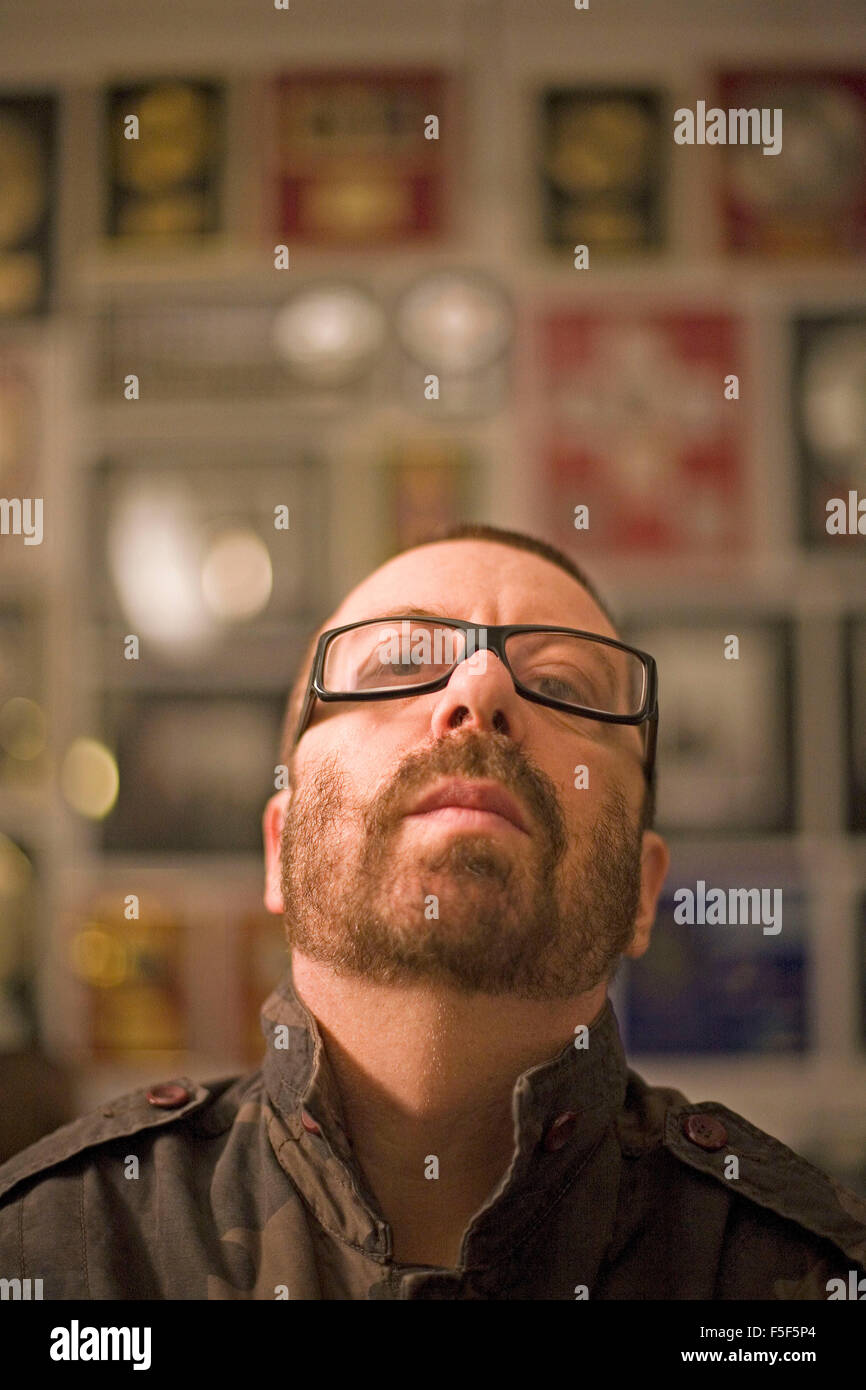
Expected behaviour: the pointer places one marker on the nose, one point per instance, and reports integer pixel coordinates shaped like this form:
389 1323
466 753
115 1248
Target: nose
480 695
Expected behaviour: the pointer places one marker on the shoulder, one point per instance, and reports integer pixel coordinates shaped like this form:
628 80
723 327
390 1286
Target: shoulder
709 1139
166 1105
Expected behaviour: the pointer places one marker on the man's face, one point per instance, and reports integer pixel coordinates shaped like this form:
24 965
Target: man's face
374 886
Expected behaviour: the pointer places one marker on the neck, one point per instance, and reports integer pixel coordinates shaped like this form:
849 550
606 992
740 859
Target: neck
424 1073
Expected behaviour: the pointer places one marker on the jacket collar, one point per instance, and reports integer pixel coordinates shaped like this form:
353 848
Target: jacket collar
562 1110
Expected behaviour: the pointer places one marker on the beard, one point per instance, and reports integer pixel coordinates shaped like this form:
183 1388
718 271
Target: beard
543 917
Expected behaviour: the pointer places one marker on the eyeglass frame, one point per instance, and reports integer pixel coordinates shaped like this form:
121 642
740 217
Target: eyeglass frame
495 639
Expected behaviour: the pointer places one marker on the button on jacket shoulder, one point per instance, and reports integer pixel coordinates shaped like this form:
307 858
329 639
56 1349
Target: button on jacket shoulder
247 1188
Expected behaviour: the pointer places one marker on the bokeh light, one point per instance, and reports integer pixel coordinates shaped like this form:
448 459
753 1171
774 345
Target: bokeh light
89 778
237 576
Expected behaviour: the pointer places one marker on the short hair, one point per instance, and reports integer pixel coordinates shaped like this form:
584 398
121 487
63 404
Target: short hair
468 531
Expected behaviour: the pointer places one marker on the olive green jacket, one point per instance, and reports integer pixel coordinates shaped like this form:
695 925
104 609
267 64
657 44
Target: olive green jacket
247 1188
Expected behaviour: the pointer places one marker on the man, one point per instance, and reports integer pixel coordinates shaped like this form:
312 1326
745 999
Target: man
444 1111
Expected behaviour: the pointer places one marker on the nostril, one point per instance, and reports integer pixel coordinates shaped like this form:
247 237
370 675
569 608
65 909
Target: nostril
458 716
500 723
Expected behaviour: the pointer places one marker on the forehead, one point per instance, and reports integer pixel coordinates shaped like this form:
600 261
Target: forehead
484 582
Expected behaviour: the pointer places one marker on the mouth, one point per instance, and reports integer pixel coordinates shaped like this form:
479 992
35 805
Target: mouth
471 804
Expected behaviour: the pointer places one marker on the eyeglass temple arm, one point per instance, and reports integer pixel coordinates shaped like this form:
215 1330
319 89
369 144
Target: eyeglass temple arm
306 711
652 730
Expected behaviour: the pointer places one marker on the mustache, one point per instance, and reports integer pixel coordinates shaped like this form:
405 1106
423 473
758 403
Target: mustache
474 755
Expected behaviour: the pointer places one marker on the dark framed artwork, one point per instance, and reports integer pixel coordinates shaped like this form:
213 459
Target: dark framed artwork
603 169
725 754
827 389
28 127
195 770
165 186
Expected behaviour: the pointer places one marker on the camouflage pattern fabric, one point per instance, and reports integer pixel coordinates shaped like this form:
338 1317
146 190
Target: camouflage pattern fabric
247 1188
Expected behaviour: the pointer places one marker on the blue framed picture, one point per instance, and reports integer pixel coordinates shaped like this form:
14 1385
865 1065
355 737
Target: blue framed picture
724 973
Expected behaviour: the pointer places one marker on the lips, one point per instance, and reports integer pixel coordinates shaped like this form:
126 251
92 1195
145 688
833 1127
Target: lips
472 796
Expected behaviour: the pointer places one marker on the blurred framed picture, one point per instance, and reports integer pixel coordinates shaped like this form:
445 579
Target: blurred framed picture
263 961
195 770
193 546
196 349
131 970
429 485
855 651
828 385
808 196
357 158
638 433
19 920
602 169
21 405
320 344
27 176
24 759
164 154
725 755
721 987
456 326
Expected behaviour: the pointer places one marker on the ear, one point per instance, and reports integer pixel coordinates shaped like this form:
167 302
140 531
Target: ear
654 865
272 831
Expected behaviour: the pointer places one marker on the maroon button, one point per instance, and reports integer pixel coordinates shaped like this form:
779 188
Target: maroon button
707 1131
309 1123
560 1131
168 1096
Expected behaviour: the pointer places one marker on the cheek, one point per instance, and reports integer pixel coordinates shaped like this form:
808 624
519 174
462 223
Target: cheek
585 775
360 760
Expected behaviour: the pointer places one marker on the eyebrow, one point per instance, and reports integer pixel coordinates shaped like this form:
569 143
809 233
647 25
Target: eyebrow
413 613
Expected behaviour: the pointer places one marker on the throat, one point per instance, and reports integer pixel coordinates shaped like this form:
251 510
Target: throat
430 1186
428 1225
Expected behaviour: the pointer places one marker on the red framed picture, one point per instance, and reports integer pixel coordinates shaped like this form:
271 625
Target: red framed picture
643 431
358 158
809 198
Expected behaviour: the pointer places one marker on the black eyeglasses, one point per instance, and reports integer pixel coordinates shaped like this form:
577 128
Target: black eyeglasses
562 668
580 673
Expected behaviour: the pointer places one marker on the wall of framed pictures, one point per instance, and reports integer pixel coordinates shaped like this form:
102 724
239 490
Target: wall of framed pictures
227 276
